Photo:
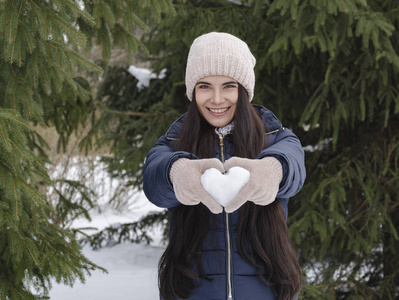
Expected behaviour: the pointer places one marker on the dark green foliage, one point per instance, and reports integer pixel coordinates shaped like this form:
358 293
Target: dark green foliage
131 121
41 46
32 249
329 70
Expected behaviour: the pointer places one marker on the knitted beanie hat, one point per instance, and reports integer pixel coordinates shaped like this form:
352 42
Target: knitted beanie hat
219 53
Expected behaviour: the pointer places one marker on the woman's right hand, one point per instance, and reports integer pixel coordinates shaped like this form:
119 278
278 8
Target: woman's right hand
185 176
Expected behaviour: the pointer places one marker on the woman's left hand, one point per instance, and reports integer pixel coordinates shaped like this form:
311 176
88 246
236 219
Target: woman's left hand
262 187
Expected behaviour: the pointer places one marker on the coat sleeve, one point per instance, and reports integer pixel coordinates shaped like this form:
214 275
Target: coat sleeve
286 147
156 183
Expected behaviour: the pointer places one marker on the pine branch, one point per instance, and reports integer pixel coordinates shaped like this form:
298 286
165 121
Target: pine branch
5 138
31 248
32 191
71 31
82 60
135 232
125 113
75 8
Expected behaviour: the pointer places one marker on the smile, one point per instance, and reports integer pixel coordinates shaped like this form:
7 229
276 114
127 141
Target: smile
218 110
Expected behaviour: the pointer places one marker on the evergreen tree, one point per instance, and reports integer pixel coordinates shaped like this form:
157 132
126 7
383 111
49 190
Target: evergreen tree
329 70
41 49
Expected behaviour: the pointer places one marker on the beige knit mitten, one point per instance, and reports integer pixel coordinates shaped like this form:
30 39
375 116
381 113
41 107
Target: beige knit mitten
185 176
262 187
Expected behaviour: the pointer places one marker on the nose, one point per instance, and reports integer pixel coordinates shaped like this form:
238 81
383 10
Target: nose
217 98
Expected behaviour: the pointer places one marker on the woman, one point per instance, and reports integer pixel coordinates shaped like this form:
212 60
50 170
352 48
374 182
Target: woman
240 251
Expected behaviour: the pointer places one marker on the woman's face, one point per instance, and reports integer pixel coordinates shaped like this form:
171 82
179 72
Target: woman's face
217 98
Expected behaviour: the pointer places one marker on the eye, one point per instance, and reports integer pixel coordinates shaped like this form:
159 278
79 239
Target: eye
203 86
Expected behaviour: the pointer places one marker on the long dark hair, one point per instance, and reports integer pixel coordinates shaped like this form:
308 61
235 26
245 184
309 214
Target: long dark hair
262 235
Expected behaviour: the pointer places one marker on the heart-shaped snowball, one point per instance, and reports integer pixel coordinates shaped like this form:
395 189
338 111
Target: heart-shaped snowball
224 187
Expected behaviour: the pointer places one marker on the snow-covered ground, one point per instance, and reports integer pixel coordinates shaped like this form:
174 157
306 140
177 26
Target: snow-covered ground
132 275
132 268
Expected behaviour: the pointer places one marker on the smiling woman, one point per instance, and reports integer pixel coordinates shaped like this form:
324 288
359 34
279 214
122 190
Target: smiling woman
216 98
236 248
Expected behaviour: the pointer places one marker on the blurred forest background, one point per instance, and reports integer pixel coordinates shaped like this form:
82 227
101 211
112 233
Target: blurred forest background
329 70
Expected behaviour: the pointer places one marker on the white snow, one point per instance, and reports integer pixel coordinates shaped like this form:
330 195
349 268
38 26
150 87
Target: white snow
132 268
144 76
320 146
224 187
132 275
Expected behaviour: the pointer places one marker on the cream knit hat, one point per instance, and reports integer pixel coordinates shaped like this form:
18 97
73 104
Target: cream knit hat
219 53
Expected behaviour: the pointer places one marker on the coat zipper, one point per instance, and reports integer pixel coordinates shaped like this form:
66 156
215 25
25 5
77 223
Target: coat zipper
230 297
221 147
229 283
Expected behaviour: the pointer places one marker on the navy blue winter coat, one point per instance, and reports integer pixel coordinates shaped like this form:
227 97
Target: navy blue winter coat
240 280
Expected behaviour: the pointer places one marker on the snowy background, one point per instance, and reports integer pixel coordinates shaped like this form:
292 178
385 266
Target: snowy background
132 268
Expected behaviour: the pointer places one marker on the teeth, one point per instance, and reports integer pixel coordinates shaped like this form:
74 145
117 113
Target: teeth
218 111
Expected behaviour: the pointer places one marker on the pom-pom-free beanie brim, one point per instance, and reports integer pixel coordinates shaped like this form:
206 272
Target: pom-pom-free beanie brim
219 53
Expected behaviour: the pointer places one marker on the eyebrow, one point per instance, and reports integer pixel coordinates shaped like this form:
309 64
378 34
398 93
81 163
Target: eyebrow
225 83
230 82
